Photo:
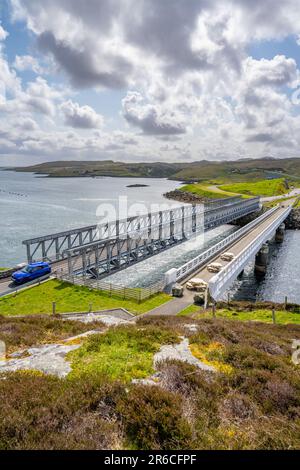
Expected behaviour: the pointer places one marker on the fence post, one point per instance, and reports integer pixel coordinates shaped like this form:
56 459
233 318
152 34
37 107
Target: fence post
228 299
140 295
110 289
214 309
124 295
273 316
90 308
53 308
285 302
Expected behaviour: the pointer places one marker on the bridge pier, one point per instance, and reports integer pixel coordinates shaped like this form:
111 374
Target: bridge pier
279 236
240 276
261 260
170 279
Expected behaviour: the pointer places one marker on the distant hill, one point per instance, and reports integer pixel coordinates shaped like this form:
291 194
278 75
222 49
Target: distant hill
220 172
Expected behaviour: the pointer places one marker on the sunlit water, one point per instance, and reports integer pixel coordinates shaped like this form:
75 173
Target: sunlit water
31 206
282 277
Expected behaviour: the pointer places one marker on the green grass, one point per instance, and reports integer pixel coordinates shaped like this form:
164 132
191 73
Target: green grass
122 353
282 317
274 187
205 191
70 298
188 311
297 203
3 269
277 201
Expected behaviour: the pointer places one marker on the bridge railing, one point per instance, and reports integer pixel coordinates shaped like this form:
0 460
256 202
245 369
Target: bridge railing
221 281
195 263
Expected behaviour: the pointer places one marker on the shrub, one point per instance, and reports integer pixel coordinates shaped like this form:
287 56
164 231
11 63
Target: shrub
44 412
153 419
21 333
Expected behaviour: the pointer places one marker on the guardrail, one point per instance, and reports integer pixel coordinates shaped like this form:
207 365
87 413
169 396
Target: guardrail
221 281
195 263
114 290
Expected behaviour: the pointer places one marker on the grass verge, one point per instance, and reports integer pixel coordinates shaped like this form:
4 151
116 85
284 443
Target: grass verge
188 311
70 298
282 317
206 192
277 201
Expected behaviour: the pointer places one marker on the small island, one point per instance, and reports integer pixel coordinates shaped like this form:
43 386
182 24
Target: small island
137 186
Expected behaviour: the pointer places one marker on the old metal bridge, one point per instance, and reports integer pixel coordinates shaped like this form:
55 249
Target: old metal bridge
99 250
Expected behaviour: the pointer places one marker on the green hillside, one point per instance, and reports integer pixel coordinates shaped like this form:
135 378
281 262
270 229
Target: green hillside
201 171
274 187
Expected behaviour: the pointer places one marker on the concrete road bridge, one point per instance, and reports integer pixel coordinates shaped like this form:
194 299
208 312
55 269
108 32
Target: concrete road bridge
247 243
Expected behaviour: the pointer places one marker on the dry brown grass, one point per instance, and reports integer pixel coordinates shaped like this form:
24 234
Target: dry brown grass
22 333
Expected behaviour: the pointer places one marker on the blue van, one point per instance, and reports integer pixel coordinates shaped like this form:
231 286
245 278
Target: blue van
30 272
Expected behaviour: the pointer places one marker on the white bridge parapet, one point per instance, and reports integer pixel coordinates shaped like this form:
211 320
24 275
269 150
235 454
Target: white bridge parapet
192 265
223 280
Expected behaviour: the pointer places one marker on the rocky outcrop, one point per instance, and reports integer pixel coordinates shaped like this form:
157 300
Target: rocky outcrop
248 218
8 272
293 220
184 196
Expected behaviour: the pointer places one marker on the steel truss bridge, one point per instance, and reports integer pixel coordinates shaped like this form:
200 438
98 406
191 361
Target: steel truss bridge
99 250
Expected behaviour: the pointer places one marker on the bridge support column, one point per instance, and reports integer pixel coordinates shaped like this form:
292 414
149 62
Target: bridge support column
261 260
279 237
194 219
170 279
240 276
28 251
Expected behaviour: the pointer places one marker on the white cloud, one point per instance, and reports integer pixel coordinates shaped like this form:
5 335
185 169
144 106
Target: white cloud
183 68
3 34
27 62
83 117
153 120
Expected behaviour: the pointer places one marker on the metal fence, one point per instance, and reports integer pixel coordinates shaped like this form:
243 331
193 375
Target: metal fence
138 294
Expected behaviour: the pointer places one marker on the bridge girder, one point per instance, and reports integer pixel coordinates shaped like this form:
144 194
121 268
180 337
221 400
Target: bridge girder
149 235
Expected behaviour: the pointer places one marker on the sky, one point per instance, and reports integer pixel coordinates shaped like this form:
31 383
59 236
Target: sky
149 80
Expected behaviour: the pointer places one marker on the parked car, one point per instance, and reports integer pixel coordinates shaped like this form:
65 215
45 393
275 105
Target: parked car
214 267
30 272
196 284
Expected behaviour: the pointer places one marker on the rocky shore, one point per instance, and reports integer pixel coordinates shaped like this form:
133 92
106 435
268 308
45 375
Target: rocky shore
184 196
293 220
248 218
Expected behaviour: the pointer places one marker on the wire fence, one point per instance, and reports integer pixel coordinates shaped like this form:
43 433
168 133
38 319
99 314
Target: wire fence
138 294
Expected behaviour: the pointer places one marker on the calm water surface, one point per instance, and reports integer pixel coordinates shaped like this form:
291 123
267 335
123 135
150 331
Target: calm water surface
282 277
32 206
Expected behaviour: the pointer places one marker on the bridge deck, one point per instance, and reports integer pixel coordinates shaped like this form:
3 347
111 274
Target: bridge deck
238 246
